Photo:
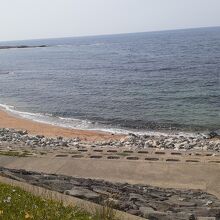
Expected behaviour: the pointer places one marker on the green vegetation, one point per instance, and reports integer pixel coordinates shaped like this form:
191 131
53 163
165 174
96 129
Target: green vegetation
123 154
43 153
14 153
17 204
73 152
106 212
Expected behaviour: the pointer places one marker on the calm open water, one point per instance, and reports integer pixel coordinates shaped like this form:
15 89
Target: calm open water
147 81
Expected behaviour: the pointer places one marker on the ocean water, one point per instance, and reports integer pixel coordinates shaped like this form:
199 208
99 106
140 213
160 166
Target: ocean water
148 82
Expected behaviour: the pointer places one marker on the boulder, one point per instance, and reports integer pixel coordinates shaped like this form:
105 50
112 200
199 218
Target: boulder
150 213
83 193
212 134
135 197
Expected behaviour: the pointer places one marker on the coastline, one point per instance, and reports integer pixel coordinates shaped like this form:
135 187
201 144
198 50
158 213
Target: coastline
8 120
20 47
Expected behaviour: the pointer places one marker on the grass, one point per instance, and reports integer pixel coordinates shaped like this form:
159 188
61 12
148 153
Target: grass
14 153
123 154
43 153
17 204
106 212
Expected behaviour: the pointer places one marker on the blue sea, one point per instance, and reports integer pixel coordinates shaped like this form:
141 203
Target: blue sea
166 81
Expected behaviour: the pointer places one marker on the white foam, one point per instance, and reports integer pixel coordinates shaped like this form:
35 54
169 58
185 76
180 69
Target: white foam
60 121
74 123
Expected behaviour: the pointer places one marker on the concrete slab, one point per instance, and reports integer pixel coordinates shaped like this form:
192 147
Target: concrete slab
204 176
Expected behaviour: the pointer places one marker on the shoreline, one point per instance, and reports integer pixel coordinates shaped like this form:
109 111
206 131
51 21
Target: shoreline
13 119
8 120
57 122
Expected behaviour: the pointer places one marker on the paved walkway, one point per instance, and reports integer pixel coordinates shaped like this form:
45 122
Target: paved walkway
174 174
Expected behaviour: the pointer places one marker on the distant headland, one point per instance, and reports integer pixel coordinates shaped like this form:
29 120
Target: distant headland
20 47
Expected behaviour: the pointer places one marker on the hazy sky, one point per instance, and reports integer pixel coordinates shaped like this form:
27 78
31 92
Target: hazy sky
28 19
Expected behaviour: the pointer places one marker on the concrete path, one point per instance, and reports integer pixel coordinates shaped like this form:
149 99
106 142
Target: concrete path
168 174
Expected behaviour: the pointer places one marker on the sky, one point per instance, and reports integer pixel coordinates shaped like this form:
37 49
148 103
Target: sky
34 19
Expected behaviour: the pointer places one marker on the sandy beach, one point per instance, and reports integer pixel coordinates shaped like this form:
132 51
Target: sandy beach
35 128
139 164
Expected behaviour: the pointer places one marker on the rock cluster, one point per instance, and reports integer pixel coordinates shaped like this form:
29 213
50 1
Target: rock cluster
199 142
21 137
142 200
172 142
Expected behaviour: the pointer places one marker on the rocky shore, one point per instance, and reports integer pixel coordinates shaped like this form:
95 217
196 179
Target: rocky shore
142 200
209 142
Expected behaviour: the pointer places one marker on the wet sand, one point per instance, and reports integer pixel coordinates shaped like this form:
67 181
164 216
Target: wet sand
10 121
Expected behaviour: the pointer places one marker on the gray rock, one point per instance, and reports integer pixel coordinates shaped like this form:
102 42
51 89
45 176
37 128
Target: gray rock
135 197
83 193
145 210
134 212
148 212
213 134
